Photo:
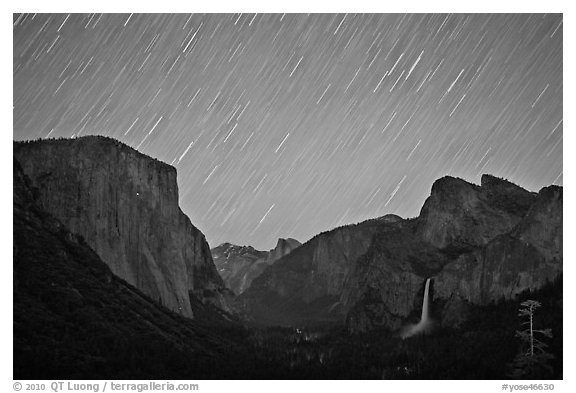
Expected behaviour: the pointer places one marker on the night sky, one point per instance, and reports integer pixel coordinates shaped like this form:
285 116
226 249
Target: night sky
290 125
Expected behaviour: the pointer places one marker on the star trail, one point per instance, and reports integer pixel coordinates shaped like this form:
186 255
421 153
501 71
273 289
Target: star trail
287 125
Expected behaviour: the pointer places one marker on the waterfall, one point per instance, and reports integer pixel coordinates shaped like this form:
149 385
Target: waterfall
425 323
424 317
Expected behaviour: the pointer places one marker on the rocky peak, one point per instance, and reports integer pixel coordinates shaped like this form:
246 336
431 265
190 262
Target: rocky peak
228 249
240 265
500 185
491 181
125 204
462 215
449 185
506 195
391 218
283 247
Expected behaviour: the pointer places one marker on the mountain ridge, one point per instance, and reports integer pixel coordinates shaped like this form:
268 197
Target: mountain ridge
384 280
365 275
240 265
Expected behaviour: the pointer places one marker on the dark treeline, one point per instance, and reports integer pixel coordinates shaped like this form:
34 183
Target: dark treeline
482 348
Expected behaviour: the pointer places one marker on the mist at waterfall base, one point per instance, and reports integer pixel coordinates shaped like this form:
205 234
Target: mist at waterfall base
425 324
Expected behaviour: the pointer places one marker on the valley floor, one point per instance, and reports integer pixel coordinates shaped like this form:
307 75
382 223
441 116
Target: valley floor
483 348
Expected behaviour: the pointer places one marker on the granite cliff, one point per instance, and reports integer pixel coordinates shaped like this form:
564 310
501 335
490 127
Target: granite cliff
481 243
527 257
472 240
240 265
125 205
461 215
73 318
304 286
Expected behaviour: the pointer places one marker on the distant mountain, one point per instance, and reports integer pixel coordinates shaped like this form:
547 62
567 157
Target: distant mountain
240 265
74 319
125 205
479 243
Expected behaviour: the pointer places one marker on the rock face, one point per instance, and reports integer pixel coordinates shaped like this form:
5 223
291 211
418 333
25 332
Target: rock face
240 265
304 286
386 284
74 319
524 258
125 205
461 215
283 247
479 243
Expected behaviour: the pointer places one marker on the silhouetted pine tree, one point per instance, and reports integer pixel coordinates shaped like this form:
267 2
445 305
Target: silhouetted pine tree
532 362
